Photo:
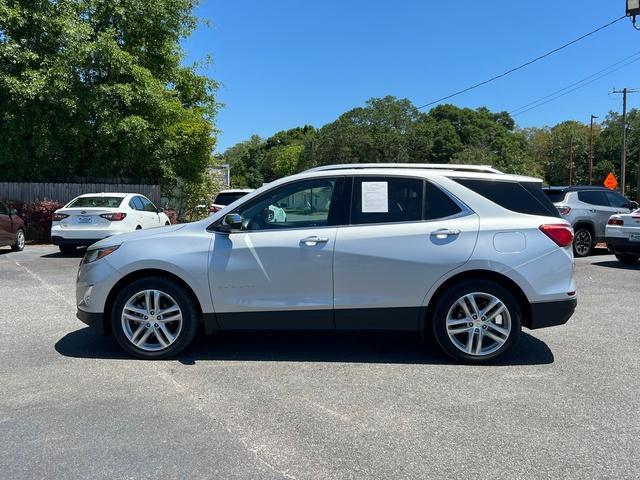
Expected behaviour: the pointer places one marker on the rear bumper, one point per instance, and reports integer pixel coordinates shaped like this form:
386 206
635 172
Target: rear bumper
73 242
549 314
622 245
94 320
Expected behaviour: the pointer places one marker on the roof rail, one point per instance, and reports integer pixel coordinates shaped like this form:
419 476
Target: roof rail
412 166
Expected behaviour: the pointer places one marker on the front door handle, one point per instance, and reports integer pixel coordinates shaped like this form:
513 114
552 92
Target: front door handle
313 240
444 233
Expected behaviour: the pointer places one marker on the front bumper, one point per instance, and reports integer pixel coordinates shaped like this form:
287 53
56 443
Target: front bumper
622 245
549 314
94 320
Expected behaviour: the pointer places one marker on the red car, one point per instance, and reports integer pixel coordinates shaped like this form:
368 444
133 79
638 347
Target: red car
11 228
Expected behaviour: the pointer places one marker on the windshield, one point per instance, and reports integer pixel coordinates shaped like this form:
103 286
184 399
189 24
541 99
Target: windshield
101 202
227 198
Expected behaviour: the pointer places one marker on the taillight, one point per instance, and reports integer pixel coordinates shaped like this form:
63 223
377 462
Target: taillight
114 217
560 233
615 221
564 210
58 216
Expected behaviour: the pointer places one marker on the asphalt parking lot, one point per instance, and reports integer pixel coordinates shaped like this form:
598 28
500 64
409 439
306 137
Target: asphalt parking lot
565 404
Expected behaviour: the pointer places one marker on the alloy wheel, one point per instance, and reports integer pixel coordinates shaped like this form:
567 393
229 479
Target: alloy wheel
478 324
151 320
20 240
582 243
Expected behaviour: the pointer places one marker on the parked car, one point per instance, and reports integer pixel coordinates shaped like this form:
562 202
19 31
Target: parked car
588 209
623 237
94 216
11 228
226 197
464 253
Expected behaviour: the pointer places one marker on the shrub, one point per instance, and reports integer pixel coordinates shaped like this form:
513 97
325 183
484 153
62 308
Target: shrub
37 218
172 214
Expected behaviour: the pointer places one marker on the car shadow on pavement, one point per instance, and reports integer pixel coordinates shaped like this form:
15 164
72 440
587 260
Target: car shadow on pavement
617 264
357 347
77 254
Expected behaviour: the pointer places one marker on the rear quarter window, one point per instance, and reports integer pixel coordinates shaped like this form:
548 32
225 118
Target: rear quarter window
520 197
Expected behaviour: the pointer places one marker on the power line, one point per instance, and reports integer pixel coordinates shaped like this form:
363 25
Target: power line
578 85
504 74
514 111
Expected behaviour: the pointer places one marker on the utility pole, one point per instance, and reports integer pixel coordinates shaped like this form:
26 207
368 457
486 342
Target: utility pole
570 161
591 150
623 159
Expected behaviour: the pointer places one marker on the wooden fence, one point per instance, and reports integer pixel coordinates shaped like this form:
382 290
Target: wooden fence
64 192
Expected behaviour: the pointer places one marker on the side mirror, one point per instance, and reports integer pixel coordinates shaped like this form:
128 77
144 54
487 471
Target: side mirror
13 211
160 209
230 222
633 205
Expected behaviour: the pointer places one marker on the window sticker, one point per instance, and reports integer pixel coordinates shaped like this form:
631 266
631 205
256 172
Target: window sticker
375 197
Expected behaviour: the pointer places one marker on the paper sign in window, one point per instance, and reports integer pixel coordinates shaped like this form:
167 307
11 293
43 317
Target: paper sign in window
375 197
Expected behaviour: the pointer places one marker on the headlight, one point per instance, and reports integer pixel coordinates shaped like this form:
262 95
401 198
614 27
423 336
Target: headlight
98 253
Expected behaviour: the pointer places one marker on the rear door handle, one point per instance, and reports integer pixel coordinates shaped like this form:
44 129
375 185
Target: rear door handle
445 232
314 240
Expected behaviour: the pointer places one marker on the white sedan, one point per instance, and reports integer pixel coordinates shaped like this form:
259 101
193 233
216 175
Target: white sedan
94 216
623 236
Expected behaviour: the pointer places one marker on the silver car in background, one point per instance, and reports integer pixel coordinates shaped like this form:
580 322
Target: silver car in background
588 209
465 254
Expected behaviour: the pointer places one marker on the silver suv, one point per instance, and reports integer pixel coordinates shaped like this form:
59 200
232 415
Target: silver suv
588 209
466 254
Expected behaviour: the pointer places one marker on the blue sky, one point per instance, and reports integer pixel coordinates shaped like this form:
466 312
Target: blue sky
285 63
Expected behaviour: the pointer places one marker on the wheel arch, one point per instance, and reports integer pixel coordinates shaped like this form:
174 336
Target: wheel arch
137 275
588 224
479 274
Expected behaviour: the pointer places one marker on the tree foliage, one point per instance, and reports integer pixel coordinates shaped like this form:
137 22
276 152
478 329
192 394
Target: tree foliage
393 130
97 88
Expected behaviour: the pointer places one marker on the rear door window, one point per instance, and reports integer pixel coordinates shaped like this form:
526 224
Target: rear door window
520 197
386 200
593 197
136 203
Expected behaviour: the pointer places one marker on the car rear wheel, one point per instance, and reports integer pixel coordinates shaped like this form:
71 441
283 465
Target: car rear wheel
476 321
582 242
154 318
19 245
627 258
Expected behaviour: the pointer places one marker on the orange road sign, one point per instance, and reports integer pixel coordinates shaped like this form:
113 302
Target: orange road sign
610 182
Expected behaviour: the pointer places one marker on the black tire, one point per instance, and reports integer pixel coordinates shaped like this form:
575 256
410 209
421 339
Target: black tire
190 317
582 242
166 224
448 299
67 249
19 245
139 227
627 258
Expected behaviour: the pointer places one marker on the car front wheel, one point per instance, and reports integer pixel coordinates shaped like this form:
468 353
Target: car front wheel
476 321
582 242
154 318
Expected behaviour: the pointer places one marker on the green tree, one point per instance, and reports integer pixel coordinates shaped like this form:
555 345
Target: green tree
97 88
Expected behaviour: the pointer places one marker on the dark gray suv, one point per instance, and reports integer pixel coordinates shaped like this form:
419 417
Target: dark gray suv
588 209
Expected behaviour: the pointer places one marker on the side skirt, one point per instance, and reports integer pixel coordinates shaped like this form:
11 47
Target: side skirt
398 319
